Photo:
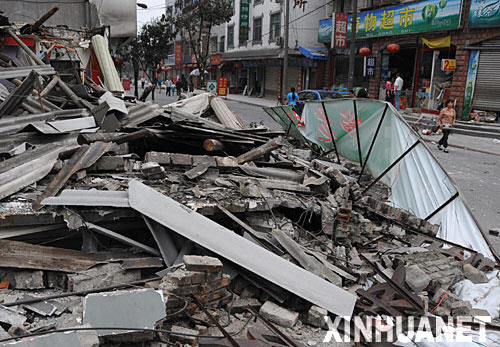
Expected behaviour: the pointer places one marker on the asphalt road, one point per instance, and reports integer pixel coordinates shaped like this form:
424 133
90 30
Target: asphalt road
477 175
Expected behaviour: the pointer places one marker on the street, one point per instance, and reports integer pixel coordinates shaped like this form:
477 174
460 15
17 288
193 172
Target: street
475 173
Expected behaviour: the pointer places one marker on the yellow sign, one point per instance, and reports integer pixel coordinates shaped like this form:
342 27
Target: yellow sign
448 64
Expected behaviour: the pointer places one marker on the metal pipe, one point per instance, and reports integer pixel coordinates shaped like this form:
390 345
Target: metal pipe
436 211
331 132
360 156
391 166
352 45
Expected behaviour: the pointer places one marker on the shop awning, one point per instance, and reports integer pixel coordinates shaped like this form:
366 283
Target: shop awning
319 53
439 42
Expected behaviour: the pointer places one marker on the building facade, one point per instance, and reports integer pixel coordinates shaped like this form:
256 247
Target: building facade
249 49
436 42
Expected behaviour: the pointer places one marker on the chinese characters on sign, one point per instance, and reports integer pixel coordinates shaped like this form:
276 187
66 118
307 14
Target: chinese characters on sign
244 19
339 39
222 86
416 17
448 64
215 59
300 4
370 65
178 53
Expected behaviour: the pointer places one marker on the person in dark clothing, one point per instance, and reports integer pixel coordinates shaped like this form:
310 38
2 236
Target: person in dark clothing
178 86
184 83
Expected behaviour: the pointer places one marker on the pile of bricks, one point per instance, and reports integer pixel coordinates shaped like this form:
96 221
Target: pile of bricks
201 277
398 216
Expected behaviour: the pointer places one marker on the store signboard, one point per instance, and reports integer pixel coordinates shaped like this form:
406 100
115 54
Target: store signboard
448 64
339 39
178 53
422 16
222 86
215 59
369 66
212 86
470 83
484 13
244 19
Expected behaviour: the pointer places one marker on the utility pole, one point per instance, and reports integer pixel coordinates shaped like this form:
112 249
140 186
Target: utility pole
352 45
284 79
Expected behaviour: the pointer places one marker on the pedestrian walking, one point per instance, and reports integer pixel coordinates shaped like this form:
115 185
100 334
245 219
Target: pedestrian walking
292 97
398 88
168 86
142 83
447 118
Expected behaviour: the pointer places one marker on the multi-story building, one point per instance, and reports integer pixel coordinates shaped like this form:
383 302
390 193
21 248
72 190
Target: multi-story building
446 49
249 49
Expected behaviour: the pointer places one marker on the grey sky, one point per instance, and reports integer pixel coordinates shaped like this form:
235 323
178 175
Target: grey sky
155 9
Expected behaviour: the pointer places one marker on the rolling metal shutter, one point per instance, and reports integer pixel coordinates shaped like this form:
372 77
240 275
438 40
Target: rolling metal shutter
487 89
271 79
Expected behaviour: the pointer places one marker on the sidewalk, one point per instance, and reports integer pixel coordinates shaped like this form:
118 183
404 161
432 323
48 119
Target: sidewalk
252 100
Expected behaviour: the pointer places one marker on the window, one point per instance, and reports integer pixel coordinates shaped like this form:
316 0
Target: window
257 2
230 36
275 26
221 43
232 8
257 30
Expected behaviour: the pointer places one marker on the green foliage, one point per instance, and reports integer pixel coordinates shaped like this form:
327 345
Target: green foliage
152 41
195 21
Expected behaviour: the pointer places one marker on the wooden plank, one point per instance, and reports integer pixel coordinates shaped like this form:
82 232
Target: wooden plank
259 151
23 255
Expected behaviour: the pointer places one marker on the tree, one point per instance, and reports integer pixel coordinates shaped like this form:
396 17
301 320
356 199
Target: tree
151 46
195 22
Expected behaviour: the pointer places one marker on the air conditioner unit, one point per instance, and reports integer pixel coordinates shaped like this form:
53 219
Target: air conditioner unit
279 41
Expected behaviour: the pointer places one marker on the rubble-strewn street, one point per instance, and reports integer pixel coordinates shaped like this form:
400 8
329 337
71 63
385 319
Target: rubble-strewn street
129 223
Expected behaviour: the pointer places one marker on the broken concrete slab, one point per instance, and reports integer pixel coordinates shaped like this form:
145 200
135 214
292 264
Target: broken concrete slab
474 275
11 317
84 338
140 308
29 280
417 278
316 317
278 314
239 250
101 276
202 263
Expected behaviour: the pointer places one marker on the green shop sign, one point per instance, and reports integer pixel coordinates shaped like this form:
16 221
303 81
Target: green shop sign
244 19
484 13
423 16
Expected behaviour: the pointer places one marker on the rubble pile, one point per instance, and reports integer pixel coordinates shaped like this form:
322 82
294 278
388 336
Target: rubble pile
143 224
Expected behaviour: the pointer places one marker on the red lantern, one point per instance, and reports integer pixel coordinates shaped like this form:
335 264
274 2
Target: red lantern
393 48
365 51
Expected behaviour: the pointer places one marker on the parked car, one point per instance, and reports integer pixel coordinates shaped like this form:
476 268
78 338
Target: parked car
315 94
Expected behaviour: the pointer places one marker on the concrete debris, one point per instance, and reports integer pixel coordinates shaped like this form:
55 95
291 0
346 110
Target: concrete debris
140 308
279 315
178 217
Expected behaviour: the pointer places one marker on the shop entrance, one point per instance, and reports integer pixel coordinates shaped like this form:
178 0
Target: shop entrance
433 85
403 63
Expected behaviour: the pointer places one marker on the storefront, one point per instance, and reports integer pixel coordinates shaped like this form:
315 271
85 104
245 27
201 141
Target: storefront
407 27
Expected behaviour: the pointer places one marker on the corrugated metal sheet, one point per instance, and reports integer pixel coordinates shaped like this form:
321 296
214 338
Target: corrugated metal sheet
64 126
73 197
111 78
27 168
11 125
23 71
84 157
